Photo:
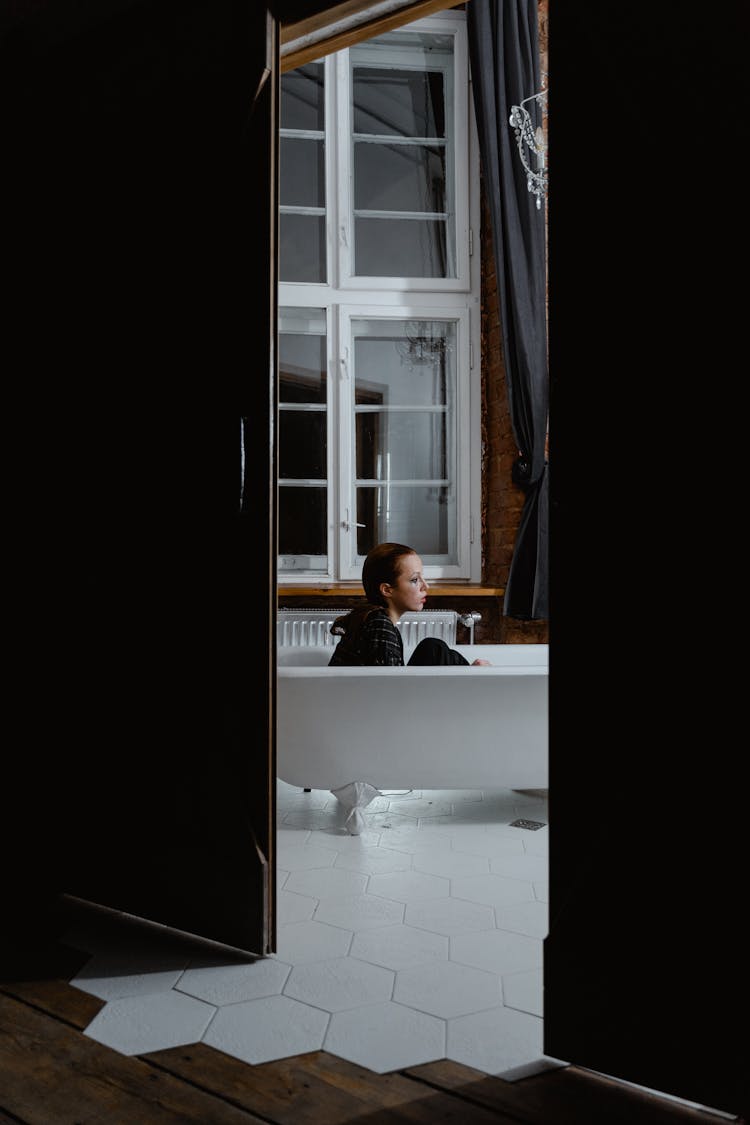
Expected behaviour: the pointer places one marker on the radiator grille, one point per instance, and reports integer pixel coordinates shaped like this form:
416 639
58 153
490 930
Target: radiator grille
312 627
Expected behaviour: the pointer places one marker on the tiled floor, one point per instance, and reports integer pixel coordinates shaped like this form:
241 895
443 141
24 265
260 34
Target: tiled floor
418 940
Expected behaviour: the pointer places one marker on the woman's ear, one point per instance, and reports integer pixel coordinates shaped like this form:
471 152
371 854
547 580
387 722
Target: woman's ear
385 589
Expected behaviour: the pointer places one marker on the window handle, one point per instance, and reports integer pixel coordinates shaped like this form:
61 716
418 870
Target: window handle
344 363
346 524
342 235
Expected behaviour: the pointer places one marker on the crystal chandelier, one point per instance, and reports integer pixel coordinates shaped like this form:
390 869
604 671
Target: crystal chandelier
531 139
422 344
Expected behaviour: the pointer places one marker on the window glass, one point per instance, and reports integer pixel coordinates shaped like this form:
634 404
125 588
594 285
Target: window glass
402 157
405 430
302 188
303 440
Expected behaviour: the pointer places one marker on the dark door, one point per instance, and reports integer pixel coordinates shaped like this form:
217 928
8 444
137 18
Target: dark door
645 963
140 150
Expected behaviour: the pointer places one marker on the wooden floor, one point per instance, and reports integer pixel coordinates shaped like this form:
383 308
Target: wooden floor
52 1074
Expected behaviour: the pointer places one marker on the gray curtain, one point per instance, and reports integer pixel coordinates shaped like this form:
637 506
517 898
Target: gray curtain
504 54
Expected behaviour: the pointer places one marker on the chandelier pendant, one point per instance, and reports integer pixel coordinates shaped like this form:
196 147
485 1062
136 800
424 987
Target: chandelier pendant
531 142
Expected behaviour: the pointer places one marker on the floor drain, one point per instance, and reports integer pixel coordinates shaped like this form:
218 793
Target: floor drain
532 824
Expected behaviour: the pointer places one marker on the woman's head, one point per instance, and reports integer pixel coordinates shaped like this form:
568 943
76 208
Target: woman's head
392 577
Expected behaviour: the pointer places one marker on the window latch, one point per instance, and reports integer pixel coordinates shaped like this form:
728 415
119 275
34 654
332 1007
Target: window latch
346 523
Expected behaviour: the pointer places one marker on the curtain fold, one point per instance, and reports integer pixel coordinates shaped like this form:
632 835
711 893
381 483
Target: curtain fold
504 55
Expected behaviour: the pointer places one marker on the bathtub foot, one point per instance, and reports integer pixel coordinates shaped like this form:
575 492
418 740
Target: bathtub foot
355 796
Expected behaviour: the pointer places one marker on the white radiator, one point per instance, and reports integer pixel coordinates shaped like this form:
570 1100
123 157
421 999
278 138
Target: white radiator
312 627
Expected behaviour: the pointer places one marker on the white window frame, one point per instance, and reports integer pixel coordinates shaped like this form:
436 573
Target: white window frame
458 89
343 297
350 563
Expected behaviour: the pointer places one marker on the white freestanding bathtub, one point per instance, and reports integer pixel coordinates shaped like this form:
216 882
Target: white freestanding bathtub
450 727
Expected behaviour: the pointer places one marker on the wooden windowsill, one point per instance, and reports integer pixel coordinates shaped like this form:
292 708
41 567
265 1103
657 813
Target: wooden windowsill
354 589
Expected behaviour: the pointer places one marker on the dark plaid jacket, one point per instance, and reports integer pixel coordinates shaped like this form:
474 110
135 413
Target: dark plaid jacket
377 642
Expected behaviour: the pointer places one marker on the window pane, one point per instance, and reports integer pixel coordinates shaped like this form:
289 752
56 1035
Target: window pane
303 516
404 362
399 177
404 446
301 172
302 440
302 444
302 98
405 103
419 516
401 248
302 367
402 87
302 250
405 433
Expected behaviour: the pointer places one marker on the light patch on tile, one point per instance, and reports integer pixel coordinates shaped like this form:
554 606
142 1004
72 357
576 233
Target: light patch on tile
135 1025
496 1040
497 951
300 942
531 918
327 882
492 890
450 863
304 857
399 947
528 867
408 886
447 990
450 916
293 907
259 1031
524 991
341 983
360 912
229 984
374 861
385 1037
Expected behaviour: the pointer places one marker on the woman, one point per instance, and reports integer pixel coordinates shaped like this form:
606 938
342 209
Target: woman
394 584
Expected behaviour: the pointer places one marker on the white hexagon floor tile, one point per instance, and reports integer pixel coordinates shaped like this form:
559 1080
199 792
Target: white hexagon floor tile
136 1025
447 990
450 916
259 1031
450 863
493 890
374 861
341 983
524 991
326 882
229 984
409 886
528 867
299 942
496 1040
531 918
384 1037
399 947
497 951
304 857
360 912
417 940
136 972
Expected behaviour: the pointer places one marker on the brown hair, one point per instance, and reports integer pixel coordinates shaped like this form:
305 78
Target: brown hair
383 564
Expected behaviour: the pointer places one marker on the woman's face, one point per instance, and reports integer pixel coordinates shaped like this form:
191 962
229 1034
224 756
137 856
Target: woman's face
409 592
